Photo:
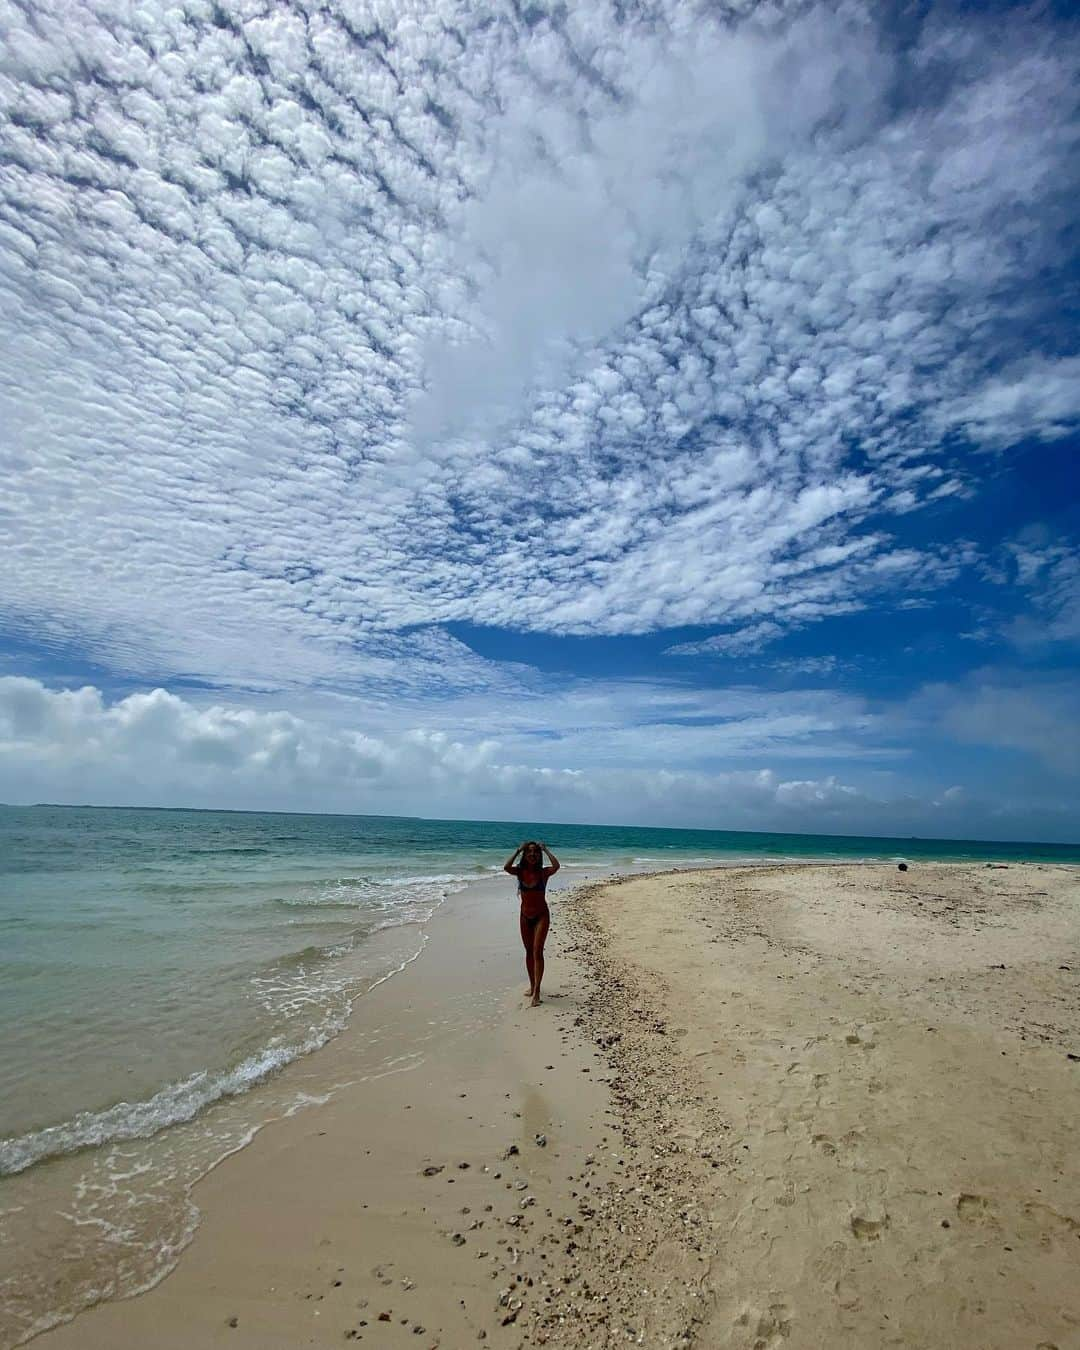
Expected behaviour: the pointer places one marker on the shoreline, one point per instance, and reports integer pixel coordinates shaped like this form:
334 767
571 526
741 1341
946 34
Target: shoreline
433 1006
659 1178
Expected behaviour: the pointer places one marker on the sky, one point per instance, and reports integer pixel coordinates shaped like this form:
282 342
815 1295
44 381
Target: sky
649 413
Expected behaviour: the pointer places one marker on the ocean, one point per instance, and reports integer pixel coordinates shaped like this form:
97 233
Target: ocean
159 969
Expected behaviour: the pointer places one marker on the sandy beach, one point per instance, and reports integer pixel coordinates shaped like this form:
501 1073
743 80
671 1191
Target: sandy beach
791 1106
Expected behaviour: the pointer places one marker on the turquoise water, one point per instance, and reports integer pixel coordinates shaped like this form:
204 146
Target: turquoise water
158 969
155 960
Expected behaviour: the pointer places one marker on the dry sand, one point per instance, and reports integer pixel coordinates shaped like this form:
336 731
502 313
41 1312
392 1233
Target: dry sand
797 1106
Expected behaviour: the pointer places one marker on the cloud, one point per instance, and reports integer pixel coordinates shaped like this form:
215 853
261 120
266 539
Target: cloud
160 743
814 666
591 201
316 338
1046 567
829 793
1036 715
156 748
74 744
739 643
1037 400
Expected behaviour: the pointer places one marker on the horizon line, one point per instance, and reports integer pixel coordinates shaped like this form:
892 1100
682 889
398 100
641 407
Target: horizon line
564 824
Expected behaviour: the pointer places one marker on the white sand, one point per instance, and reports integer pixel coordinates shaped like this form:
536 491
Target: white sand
876 1123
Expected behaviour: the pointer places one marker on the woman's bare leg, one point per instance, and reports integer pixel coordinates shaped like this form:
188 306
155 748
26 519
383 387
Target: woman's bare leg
539 936
527 942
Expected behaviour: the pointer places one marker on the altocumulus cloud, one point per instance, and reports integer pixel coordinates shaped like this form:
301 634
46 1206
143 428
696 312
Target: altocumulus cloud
341 327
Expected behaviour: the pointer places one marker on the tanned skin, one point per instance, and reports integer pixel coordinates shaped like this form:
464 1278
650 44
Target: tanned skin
535 919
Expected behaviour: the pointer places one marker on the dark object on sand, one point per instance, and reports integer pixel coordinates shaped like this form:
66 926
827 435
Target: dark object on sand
901 867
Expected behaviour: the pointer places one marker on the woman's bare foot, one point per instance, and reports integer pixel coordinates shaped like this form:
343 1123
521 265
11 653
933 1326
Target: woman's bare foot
535 1001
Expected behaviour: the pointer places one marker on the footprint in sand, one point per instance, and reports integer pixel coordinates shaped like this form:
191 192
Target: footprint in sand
769 1329
830 1263
975 1210
831 1268
786 1198
868 1229
1050 1225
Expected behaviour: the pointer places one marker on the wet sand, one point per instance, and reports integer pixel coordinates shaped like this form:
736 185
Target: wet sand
820 1106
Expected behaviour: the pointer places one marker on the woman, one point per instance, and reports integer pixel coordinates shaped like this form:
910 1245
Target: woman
532 879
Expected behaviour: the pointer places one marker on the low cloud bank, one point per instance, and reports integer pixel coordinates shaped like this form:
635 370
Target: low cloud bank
156 748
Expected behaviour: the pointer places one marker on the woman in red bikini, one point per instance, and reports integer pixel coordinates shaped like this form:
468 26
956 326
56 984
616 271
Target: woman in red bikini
532 879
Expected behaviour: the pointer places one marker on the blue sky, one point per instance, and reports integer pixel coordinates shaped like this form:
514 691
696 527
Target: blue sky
662 413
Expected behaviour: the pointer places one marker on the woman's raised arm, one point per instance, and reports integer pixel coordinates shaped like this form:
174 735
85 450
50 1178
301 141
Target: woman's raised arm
508 865
551 859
